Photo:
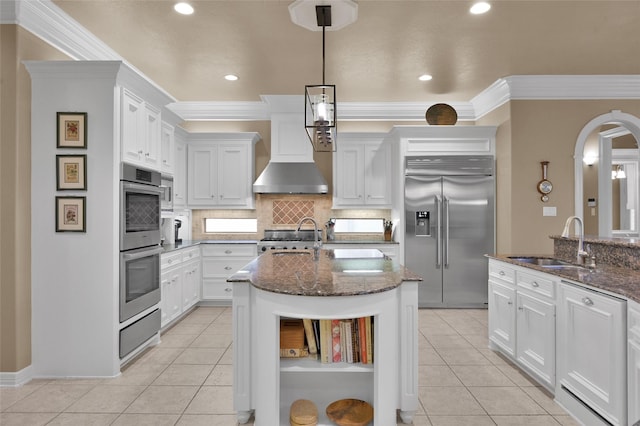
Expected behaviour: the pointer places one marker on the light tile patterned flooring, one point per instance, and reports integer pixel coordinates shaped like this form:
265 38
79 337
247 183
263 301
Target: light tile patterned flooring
186 380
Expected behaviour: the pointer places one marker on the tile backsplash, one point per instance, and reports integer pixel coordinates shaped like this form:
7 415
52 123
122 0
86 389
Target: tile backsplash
284 211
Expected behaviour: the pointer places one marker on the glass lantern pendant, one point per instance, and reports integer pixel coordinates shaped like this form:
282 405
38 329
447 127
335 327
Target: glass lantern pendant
320 100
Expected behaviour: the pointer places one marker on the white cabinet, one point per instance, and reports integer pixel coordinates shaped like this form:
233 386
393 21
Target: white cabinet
167 149
536 326
219 262
502 305
592 354
141 128
633 362
221 170
362 172
180 283
180 172
522 319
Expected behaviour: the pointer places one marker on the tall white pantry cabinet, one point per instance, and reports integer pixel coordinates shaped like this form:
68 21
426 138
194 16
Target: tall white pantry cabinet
74 275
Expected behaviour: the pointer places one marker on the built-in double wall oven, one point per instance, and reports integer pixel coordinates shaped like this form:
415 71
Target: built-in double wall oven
140 221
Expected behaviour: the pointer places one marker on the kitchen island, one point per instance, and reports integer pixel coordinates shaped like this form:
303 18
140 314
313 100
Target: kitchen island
339 284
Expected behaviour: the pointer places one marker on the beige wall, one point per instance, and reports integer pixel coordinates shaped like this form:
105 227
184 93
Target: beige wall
540 131
15 162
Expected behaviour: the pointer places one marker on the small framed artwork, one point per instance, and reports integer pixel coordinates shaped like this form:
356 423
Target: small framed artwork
71 172
72 130
70 214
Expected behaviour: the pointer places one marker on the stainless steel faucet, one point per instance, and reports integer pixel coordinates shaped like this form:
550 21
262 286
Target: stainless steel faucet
582 254
316 235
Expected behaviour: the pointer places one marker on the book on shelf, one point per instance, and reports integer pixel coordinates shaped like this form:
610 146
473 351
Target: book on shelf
309 334
335 342
362 333
326 340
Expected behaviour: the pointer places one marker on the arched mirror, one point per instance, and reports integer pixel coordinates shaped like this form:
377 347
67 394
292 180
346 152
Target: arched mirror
607 165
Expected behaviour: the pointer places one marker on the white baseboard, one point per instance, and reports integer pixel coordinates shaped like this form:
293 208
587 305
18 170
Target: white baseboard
18 378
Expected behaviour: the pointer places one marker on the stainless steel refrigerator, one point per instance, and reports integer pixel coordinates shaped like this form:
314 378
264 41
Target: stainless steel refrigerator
449 227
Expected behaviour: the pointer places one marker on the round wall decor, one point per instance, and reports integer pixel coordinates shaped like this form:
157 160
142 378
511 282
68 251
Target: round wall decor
441 114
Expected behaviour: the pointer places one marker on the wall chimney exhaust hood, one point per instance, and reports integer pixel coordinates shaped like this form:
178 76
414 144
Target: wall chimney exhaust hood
291 169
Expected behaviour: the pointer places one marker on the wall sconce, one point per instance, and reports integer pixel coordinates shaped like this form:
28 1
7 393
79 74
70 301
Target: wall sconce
618 172
590 160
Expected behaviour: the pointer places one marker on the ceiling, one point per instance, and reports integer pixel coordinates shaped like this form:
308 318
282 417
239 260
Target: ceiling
376 59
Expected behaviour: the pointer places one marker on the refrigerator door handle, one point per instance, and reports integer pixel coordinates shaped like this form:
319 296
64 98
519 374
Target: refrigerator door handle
438 209
445 239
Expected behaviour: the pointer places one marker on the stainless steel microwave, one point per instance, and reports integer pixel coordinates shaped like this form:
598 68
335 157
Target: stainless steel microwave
166 198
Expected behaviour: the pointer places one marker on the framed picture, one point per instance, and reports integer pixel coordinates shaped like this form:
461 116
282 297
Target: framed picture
71 172
71 214
72 130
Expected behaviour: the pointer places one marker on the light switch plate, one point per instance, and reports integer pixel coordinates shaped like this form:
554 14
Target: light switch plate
549 211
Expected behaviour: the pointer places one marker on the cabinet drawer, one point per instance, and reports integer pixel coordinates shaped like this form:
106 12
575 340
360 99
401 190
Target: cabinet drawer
537 284
216 289
170 259
502 272
191 253
222 267
250 250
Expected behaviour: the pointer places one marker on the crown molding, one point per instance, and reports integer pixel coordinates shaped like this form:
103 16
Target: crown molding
47 21
346 111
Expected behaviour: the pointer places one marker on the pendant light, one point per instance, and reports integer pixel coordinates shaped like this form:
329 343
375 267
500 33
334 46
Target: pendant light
320 99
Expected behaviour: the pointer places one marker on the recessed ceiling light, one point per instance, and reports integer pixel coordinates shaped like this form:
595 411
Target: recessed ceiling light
480 8
425 77
183 8
231 77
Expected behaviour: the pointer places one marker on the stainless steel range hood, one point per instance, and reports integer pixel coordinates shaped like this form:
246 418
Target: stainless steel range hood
291 178
291 169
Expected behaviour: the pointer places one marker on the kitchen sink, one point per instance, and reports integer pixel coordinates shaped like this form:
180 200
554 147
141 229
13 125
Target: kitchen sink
541 261
547 262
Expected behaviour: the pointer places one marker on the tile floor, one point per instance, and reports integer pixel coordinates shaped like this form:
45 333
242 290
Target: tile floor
186 380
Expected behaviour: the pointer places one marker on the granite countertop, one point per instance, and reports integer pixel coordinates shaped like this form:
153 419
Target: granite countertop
190 243
621 281
360 242
339 272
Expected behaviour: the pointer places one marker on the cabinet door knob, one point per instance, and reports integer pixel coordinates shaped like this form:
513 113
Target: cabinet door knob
535 284
587 301
501 273
227 289
169 261
509 303
520 308
228 251
228 268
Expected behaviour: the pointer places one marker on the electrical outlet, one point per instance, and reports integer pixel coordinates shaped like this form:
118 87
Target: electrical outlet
549 211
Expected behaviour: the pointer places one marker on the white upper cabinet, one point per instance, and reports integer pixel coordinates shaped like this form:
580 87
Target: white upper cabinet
180 171
362 171
167 148
221 170
141 128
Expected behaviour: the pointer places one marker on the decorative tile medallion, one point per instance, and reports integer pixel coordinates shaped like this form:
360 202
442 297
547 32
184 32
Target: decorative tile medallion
289 212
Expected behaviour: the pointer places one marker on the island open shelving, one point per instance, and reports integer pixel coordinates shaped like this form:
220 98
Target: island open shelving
265 385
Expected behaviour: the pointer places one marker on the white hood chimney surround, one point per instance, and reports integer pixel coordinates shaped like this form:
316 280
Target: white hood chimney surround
291 169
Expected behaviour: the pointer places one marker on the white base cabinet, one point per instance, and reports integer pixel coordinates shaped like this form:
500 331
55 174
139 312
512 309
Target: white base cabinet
219 262
633 361
522 319
591 353
180 283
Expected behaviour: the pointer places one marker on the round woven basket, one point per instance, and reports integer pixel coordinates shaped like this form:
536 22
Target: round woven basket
441 114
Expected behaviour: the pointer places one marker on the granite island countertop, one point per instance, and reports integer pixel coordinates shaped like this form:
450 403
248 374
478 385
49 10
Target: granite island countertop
338 272
617 280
